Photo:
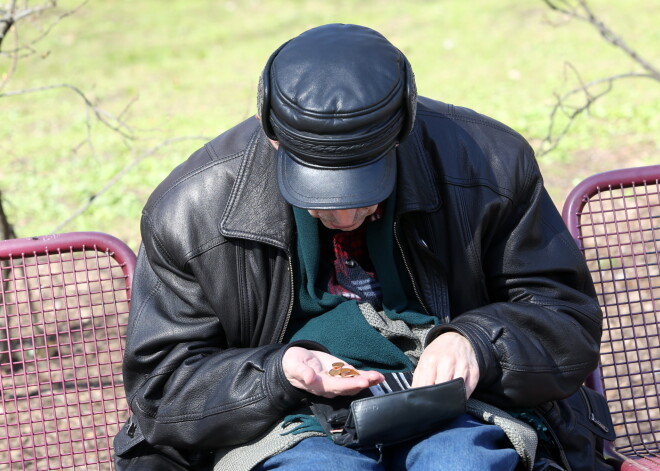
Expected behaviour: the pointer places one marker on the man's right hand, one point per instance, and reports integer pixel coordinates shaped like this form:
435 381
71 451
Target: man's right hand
308 370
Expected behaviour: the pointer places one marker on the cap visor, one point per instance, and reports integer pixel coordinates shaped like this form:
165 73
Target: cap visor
335 187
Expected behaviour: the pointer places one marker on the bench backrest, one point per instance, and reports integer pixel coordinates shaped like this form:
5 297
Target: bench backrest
64 303
615 219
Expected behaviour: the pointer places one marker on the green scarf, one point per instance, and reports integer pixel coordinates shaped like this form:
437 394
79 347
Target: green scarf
336 322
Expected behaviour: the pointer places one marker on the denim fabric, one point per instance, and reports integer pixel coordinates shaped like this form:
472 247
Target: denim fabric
464 444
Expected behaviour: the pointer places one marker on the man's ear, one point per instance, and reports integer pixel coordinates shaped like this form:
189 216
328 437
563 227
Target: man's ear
273 142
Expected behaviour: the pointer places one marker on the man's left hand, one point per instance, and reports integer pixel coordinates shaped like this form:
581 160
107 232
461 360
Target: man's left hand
448 357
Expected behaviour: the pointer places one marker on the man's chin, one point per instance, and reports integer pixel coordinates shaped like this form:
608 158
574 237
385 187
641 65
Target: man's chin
341 228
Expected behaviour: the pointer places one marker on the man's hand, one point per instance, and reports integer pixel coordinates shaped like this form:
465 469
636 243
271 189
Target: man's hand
308 370
448 357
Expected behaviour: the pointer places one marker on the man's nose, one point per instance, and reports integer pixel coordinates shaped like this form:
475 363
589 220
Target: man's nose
344 217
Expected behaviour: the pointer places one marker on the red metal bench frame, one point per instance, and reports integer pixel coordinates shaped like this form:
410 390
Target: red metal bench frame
64 303
615 219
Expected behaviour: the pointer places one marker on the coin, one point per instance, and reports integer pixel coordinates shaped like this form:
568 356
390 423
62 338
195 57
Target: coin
348 373
339 370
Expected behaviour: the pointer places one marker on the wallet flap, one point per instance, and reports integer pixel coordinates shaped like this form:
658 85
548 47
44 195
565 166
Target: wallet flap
406 414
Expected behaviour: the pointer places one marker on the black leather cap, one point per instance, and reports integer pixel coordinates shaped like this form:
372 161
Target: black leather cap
337 107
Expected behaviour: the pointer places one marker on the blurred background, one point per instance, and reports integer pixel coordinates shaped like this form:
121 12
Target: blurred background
100 100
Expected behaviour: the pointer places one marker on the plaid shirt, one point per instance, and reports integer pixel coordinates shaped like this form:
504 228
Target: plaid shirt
347 269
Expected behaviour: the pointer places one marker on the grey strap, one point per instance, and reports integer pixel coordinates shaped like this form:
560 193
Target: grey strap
247 456
410 339
522 435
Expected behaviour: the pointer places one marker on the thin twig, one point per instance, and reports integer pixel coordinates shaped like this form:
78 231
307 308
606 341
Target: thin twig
88 129
579 9
552 139
13 64
110 121
7 21
121 174
588 16
14 17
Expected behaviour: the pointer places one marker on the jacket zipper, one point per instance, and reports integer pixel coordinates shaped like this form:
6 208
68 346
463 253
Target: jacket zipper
592 416
288 314
405 263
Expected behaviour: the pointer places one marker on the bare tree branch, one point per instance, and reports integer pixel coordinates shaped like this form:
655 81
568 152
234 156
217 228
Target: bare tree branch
7 21
13 15
579 9
13 61
563 108
114 123
57 20
582 11
10 18
110 183
6 229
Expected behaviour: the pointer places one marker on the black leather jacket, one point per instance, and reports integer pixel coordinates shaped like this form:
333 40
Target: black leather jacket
486 249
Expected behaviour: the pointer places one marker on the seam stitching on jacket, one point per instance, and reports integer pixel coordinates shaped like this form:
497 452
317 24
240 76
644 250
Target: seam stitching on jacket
206 246
464 182
466 228
457 117
194 173
157 287
535 368
161 247
164 419
549 302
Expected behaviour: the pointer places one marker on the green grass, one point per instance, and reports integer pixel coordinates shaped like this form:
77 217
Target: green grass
190 68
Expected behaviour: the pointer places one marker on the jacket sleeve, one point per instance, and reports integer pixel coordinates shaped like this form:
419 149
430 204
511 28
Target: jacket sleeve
185 387
538 338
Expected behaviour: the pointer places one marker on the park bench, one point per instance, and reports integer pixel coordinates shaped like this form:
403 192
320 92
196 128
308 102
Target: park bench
615 219
64 306
63 313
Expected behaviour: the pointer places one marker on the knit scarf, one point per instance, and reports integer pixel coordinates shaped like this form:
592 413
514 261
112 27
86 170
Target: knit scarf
336 322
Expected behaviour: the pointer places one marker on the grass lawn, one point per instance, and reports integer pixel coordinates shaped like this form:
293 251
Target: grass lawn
179 72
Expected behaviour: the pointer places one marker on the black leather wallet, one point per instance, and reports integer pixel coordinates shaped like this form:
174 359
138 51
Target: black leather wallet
395 414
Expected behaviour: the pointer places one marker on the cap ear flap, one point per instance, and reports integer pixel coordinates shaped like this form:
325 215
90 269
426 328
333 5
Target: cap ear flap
411 100
263 95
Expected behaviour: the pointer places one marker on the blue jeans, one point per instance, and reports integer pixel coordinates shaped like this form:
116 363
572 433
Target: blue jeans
464 444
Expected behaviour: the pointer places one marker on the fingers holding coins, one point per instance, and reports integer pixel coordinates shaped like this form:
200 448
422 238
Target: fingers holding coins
339 370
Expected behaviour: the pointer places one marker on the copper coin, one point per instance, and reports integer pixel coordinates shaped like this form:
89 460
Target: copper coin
334 372
337 365
348 373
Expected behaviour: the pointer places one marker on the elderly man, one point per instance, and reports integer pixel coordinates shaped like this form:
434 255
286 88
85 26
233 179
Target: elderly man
349 225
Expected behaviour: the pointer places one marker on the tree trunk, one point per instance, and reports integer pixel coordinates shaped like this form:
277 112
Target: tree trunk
6 229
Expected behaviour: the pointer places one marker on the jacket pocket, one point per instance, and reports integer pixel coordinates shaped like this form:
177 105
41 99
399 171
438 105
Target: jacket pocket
593 413
578 426
134 453
129 437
